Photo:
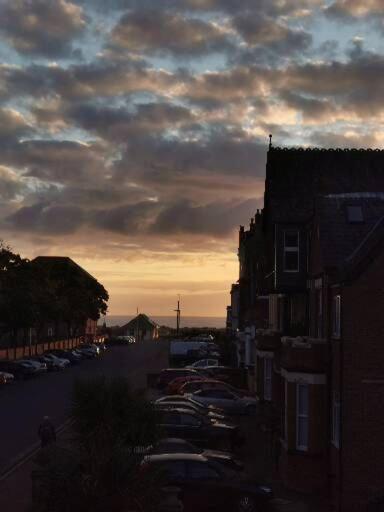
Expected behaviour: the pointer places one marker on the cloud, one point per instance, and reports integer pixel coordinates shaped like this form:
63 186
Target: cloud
164 31
41 27
215 219
11 184
355 9
45 218
275 36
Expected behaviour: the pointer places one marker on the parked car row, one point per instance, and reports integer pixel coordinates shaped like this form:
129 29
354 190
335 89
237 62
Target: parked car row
51 360
197 417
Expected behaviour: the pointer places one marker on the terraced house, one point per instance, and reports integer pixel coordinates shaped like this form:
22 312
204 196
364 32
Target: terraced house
311 324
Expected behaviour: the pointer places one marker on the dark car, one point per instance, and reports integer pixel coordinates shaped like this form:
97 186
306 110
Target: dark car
192 406
234 376
198 429
177 445
19 370
169 374
206 485
183 399
51 365
66 354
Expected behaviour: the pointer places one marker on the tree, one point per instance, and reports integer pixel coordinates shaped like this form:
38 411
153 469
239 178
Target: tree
100 470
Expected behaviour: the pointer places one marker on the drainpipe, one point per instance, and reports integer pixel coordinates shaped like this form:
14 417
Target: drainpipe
341 363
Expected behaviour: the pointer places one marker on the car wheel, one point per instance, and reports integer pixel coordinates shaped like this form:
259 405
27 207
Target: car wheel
251 410
246 504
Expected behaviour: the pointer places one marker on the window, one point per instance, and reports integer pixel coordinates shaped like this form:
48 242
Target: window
355 214
171 419
319 312
175 470
291 251
267 379
336 419
302 399
336 316
200 471
285 411
50 331
188 419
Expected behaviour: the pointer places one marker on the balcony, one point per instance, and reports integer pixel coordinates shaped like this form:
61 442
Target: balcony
267 339
304 354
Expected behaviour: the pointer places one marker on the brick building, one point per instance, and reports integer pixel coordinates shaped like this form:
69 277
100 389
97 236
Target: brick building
318 363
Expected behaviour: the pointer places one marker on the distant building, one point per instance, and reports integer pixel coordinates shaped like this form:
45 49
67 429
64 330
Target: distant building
141 327
311 321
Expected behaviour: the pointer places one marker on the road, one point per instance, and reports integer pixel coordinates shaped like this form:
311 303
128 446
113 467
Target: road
23 404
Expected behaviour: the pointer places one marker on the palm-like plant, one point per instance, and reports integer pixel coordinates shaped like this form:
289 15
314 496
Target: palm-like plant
101 469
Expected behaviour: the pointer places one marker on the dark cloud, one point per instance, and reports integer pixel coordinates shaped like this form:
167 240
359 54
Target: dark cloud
12 126
215 219
164 31
47 218
117 124
128 219
312 109
41 27
272 35
11 184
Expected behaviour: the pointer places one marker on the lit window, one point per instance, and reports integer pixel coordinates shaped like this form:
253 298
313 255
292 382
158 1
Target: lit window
267 378
302 402
336 419
336 314
291 251
355 214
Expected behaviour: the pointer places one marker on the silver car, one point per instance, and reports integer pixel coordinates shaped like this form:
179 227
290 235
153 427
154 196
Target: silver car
226 400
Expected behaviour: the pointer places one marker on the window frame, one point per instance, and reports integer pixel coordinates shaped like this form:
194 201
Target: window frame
267 379
336 419
291 250
301 416
336 316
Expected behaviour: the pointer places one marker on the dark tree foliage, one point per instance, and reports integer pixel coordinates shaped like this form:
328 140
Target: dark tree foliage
33 294
100 469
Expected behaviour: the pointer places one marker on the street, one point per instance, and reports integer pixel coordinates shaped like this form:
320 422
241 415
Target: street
23 404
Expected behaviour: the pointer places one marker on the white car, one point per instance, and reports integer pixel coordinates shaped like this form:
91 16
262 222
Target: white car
203 363
6 377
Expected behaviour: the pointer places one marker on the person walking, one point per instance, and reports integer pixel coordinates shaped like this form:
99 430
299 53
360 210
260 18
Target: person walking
46 432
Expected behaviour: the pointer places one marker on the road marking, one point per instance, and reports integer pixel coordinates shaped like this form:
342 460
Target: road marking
29 453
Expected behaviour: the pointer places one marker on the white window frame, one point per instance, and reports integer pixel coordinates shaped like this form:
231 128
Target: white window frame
336 423
50 331
301 416
267 381
292 249
336 316
319 312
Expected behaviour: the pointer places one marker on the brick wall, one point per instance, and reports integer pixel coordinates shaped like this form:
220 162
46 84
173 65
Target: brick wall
363 388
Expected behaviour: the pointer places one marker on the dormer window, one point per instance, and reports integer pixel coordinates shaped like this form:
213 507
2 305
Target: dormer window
355 214
291 251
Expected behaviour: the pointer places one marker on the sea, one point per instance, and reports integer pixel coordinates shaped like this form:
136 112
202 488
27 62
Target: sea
170 321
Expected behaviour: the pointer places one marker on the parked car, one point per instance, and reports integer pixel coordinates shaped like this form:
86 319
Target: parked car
168 374
234 376
39 367
91 346
6 377
177 445
192 386
173 387
203 363
193 408
19 370
59 362
70 355
87 352
188 403
208 485
198 428
230 402
52 364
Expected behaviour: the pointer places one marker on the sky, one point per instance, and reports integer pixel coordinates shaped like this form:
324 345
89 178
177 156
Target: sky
133 133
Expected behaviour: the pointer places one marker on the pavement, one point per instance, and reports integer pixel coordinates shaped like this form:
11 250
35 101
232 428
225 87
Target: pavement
25 403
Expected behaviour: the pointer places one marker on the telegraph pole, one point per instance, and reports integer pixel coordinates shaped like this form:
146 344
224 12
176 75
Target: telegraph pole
178 311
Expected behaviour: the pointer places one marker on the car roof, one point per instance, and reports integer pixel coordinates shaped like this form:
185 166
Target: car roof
180 410
175 457
174 440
